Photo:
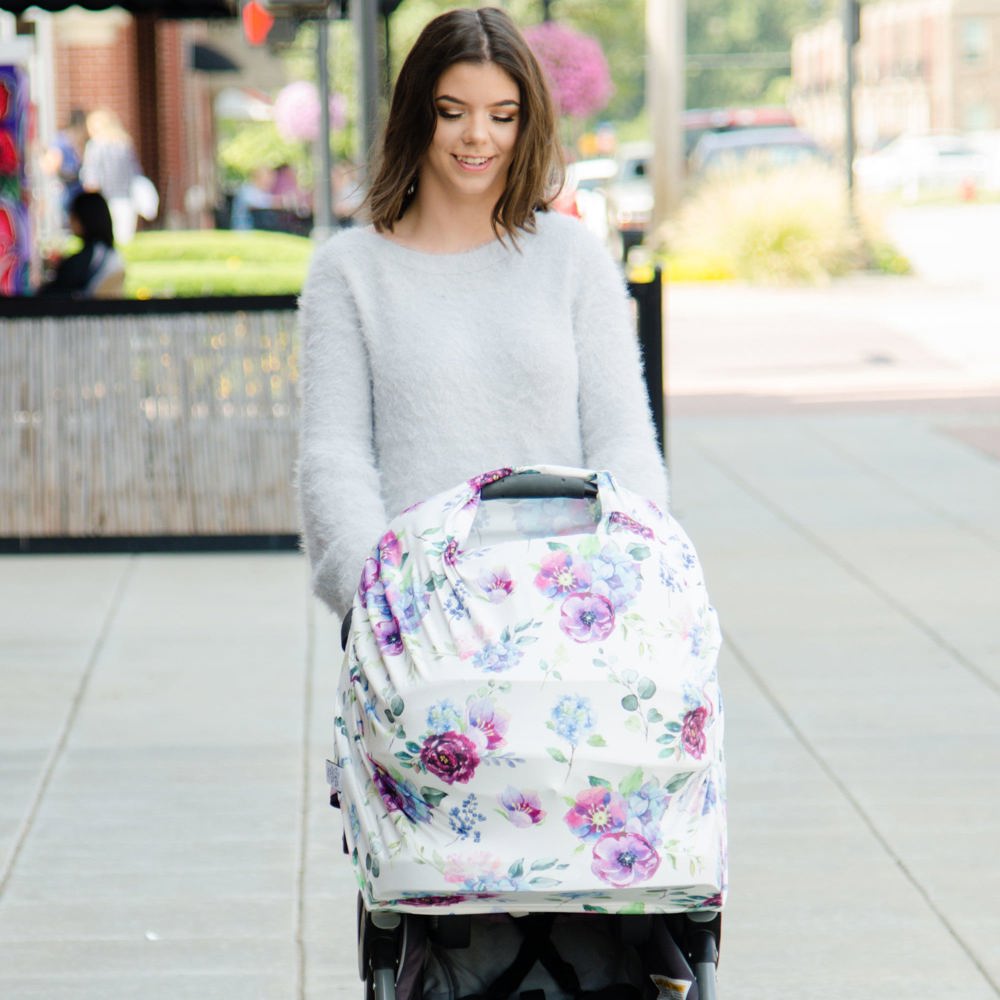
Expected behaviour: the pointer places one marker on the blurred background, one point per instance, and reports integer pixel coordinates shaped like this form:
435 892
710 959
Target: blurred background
768 140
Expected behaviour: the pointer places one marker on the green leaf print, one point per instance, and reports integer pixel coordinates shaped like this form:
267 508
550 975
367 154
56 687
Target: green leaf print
630 703
596 782
557 755
596 740
646 688
631 783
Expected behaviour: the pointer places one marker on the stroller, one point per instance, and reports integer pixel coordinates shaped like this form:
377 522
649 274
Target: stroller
528 748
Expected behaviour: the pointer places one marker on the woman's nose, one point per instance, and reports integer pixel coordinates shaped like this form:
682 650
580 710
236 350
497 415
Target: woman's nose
475 128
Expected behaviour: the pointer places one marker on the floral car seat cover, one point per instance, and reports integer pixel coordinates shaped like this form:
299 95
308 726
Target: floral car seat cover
529 715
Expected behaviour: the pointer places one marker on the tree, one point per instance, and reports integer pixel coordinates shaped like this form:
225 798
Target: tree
737 29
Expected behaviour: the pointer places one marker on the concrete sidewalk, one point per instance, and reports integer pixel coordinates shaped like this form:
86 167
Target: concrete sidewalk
163 826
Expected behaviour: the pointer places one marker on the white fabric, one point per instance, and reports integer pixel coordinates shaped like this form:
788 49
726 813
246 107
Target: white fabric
419 370
529 715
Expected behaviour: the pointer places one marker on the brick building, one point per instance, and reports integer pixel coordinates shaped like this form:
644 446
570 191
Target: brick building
921 65
145 68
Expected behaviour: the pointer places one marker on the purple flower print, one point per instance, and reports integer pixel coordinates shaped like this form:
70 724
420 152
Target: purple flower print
399 796
450 554
450 756
487 723
390 552
624 859
407 605
596 812
388 636
587 617
496 657
616 576
559 575
369 578
693 732
523 809
429 900
496 585
620 520
478 482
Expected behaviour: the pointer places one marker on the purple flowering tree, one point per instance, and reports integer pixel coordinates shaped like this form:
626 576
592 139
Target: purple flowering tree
575 65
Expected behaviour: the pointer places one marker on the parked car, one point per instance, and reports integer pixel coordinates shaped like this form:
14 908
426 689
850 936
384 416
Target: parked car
583 193
916 164
768 147
630 197
698 121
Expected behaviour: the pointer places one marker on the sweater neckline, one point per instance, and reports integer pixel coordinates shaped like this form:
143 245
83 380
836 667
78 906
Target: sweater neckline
461 262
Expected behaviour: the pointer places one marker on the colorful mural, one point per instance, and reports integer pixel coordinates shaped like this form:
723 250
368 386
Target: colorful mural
15 235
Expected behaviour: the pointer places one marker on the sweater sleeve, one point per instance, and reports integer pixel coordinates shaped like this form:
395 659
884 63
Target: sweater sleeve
340 497
615 419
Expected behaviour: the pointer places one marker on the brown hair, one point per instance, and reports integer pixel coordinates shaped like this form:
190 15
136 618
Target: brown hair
476 36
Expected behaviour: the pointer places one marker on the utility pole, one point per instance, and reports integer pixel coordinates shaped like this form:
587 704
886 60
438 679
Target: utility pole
365 14
323 218
666 50
851 16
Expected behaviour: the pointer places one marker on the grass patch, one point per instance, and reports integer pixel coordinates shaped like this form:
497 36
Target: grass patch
181 264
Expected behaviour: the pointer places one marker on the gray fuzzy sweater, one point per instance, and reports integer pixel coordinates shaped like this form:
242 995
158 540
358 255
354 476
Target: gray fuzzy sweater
420 370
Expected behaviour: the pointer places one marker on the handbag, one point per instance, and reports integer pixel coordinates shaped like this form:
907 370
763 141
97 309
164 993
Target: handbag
145 197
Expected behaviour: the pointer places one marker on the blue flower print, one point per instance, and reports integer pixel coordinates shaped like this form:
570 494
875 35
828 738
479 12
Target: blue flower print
443 717
572 718
496 657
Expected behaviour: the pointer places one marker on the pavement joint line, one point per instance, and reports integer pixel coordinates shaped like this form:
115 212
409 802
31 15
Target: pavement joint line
853 571
305 811
961 523
772 699
56 754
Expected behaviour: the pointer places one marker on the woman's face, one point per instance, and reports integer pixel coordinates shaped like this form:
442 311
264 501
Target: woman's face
478 109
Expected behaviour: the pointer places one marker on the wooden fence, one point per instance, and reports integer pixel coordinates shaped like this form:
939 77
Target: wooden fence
149 419
147 424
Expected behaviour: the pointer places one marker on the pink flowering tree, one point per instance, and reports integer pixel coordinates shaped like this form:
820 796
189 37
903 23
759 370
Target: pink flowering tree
296 111
575 65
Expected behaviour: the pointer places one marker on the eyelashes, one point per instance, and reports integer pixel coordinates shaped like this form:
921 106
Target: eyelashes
455 115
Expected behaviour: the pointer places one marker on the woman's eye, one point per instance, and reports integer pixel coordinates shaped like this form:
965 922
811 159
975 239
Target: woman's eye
449 115
503 119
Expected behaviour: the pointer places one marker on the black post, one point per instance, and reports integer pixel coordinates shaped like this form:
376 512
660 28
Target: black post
546 10
648 297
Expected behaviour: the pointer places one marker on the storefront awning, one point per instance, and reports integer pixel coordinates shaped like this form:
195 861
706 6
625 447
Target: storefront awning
169 9
208 59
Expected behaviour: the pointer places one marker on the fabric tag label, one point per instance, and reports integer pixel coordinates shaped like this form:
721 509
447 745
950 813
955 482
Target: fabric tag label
333 776
671 989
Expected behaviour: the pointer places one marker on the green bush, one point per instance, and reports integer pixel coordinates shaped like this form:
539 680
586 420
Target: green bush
777 226
168 263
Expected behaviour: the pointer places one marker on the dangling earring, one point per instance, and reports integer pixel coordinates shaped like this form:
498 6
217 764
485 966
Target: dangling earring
412 189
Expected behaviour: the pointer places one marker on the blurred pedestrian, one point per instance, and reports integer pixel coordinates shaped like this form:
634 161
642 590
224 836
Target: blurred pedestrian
97 270
468 328
253 195
110 166
63 159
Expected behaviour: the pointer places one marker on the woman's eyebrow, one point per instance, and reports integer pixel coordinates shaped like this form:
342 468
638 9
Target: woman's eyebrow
458 100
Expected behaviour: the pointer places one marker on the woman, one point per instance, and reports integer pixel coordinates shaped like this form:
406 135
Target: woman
110 166
97 264
467 328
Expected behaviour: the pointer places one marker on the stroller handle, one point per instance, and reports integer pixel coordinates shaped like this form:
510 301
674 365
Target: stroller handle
540 486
